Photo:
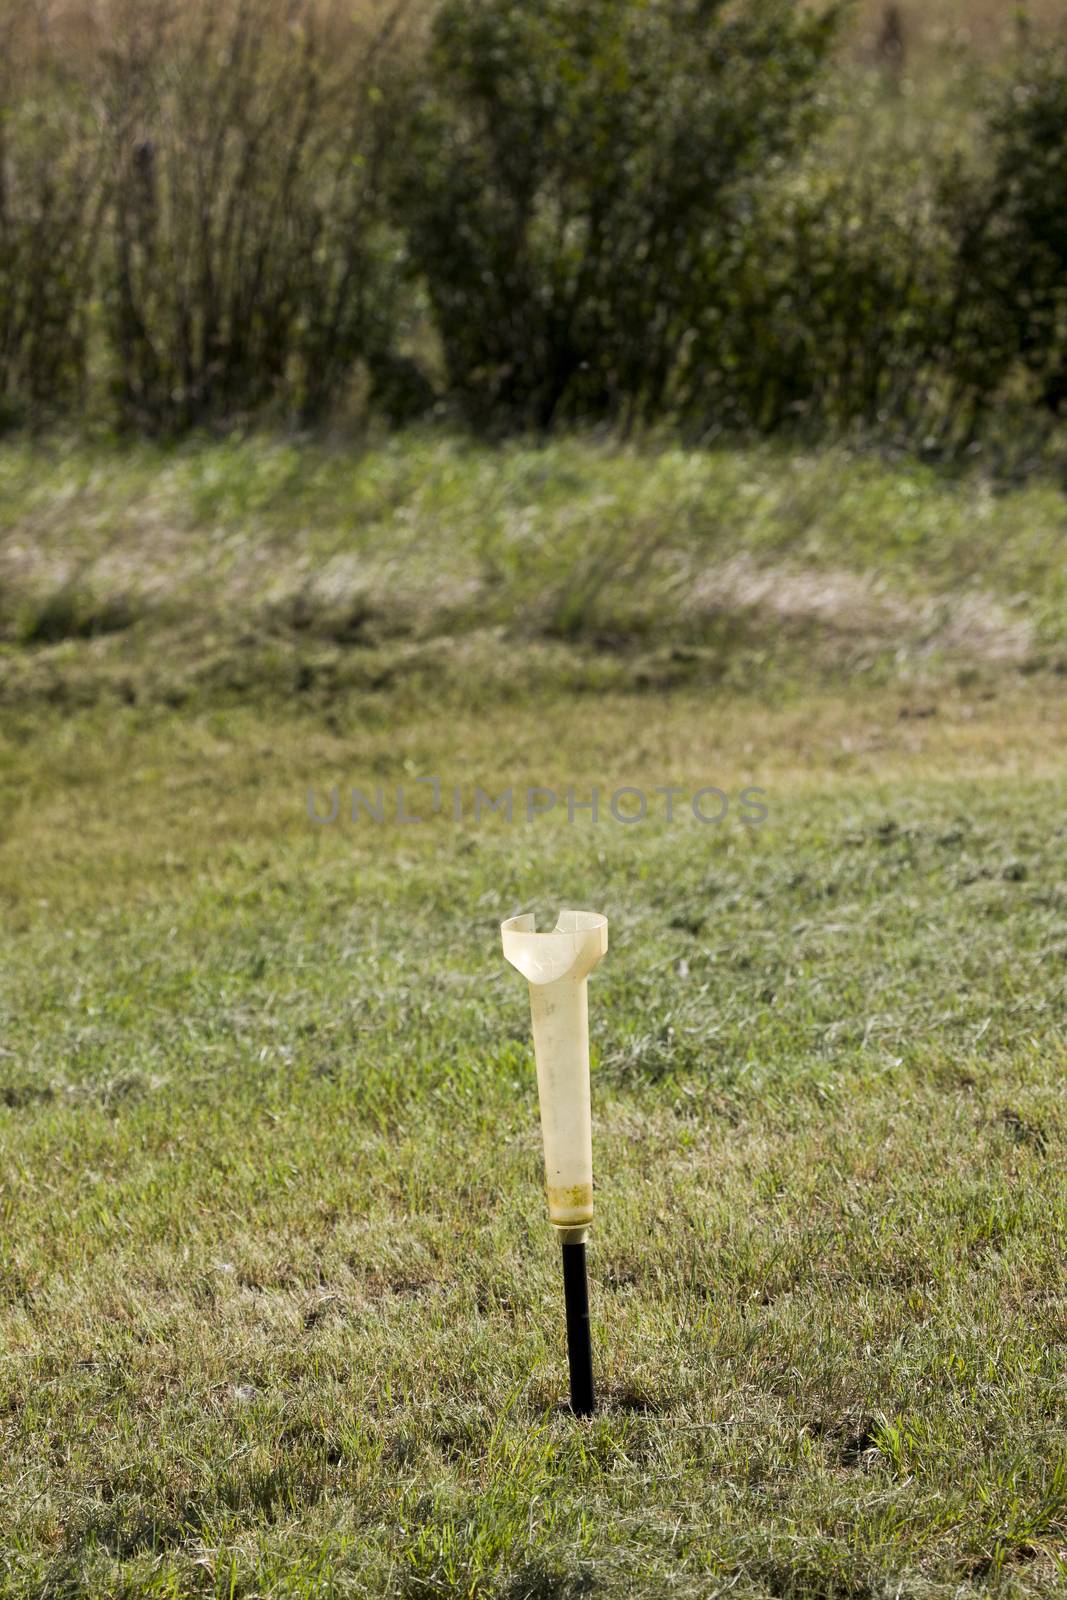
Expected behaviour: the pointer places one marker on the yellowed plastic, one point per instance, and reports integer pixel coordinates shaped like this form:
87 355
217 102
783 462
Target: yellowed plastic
556 966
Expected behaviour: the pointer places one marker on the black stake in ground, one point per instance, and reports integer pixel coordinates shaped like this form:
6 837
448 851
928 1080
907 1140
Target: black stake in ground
579 1343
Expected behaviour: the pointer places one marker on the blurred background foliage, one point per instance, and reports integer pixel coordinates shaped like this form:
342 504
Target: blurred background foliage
722 216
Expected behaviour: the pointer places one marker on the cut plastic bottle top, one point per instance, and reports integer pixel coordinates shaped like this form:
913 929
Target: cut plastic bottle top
571 949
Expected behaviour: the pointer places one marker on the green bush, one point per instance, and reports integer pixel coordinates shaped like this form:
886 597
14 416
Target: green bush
1011 223
835 308
572 168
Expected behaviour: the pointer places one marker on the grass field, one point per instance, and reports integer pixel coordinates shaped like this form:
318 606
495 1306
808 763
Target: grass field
279 1305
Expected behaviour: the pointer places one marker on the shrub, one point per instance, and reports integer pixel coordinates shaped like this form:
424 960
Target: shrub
572 167
834 308
247 257
584 210
1011 223
49 216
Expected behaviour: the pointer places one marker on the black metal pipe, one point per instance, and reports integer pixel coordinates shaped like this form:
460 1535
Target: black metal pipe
579 1344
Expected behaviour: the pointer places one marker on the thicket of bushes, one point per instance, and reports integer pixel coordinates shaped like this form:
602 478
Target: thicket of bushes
534 211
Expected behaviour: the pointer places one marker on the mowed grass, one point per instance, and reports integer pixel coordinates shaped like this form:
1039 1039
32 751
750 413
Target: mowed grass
280 1305
280 1308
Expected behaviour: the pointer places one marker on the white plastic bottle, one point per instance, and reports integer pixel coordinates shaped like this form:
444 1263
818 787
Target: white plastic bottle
556 966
